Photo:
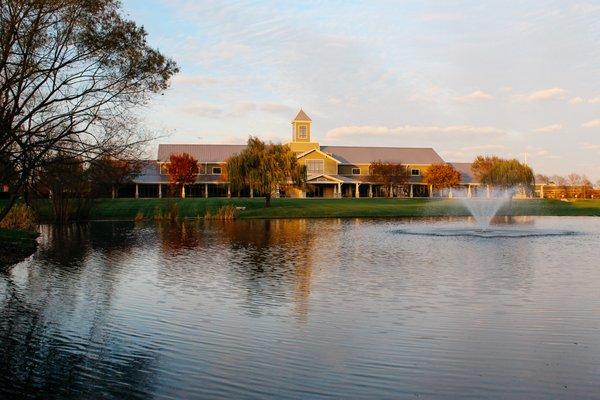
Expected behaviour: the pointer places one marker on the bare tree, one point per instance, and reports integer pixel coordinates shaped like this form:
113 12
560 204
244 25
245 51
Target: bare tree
71 71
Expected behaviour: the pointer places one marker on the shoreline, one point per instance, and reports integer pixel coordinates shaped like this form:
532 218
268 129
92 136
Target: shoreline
16 246
129 209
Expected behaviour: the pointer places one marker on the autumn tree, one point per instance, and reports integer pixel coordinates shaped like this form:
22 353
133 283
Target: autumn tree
71 73
265 167
482 165
441 176
503 173
108 174
182 170
391 175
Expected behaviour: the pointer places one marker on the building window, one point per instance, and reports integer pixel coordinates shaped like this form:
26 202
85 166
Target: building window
355 171
302 132
216 171
164 169
314 166
415 172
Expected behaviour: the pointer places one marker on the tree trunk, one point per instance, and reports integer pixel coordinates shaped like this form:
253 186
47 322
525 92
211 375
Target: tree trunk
267 200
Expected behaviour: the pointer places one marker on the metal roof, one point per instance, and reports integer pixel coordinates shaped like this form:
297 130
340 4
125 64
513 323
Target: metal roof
366 155
302 116
466 175
211 153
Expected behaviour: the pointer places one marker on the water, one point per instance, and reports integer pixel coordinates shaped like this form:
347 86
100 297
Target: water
304 309
484 207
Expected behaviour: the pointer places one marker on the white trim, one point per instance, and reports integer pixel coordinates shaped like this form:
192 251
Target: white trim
358 168
334 180
212 171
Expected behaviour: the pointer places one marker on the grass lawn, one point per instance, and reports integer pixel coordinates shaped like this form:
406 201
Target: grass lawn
127 209
326 208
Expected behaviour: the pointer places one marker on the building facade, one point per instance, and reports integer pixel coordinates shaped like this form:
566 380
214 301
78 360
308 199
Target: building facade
332 171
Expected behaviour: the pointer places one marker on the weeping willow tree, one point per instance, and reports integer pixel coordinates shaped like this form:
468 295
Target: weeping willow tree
506 174
264 167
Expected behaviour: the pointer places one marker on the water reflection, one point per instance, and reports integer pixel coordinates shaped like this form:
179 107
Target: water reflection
302 309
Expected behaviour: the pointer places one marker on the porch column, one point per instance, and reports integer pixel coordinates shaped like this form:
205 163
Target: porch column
183 191
542 191
469 193
488 194
206 190
356 191
370 190
430 190
251 193
228 191
113 192
411 191
339 186
160 191
450 194
137 191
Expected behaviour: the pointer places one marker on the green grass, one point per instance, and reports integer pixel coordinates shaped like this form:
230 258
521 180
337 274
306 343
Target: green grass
327 208
127 209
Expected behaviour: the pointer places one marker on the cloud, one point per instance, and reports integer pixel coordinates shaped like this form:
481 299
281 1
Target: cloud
577 100
590 146
202 110
549 128
541 95
246 107
477 95
484 148
594 100
595 123
195 80
409 130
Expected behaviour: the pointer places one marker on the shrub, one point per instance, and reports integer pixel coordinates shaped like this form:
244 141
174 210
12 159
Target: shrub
20 216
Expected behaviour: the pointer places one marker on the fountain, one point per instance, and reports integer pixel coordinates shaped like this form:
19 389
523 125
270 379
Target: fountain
484 208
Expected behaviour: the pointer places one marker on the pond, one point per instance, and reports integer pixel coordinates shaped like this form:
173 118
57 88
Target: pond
276 309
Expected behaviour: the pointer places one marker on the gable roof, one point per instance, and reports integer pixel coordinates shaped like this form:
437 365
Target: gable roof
366 155
302 116
319 151
211 153
466 175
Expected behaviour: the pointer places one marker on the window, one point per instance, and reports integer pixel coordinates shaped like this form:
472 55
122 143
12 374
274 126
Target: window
216 171
314 166
355 171
163 169
302 132
415 172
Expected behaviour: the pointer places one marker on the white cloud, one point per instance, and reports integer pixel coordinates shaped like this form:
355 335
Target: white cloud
594 100
541 95
577 100
203 110
409 130
484 148
477 95
595 123
549 128
196 80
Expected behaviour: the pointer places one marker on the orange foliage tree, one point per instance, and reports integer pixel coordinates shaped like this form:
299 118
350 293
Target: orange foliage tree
182 170
441 176
390 174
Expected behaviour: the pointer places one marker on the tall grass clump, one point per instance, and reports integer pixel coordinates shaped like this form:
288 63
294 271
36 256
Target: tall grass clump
225 213
21 217
139 216
173 212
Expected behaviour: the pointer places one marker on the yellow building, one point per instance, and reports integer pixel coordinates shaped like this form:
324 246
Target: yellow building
332 171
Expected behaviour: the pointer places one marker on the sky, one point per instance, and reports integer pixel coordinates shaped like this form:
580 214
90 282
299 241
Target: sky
514 79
